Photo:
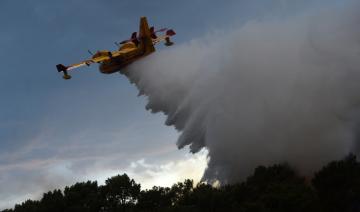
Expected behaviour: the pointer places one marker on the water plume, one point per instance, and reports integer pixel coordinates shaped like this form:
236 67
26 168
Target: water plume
271 91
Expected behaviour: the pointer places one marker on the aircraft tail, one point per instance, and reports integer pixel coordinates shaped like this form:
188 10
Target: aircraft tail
145 37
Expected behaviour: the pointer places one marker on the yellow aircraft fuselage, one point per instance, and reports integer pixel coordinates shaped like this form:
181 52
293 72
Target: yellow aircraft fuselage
129 54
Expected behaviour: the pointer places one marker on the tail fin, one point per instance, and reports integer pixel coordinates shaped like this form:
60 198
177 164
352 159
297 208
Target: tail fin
145 37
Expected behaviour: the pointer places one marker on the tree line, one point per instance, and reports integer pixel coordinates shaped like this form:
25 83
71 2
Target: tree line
334 188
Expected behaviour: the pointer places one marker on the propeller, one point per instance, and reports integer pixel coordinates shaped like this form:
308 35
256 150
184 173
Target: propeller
133 38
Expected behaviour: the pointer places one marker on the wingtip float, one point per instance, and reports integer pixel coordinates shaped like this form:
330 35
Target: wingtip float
130 50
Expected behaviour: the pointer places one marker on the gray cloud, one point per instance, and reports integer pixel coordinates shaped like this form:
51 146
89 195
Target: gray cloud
49 161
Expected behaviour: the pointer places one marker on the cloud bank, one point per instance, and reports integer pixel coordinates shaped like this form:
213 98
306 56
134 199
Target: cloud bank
267 92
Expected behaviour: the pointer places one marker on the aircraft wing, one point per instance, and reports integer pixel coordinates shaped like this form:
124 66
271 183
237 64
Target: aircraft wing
78 65
65 69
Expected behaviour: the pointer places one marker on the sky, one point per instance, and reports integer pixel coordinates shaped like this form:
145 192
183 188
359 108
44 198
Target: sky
54 132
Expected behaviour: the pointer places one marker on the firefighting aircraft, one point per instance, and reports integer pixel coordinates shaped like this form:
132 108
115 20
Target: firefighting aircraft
129 51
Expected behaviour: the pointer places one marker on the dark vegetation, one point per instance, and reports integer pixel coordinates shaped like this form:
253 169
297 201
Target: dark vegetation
334 188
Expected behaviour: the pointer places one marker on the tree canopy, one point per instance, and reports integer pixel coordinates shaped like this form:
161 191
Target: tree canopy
336 187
